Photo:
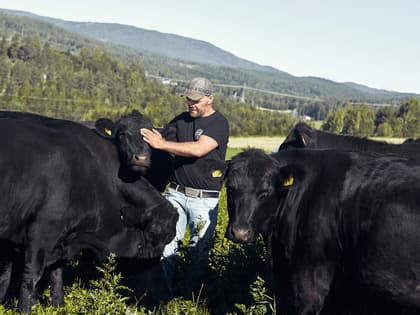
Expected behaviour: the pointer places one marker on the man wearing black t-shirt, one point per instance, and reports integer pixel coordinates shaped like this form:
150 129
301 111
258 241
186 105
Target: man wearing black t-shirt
201 140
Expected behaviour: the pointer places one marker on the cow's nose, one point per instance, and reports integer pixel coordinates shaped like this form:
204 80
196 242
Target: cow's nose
141 160
139 157
241 235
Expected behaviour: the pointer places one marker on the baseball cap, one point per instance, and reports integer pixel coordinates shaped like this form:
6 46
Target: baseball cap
198 88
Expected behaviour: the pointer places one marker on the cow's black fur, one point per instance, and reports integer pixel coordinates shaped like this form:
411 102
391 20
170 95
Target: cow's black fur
155 165
66 188
303 136
412 140
337 224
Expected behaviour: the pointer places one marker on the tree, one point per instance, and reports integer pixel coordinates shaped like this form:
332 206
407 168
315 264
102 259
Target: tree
13 49
410 115
335 121
384 130
30 48
3 44
4 72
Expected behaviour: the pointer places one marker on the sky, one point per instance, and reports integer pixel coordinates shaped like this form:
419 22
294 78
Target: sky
370 42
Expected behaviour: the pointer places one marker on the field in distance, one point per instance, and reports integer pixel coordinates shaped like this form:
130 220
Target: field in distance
268 144
271 144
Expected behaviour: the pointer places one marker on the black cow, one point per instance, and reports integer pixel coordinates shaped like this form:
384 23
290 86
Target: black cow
155 165
411 140
66 188
303 136
342 228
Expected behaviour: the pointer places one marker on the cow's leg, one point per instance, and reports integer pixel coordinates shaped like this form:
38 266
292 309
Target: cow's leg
56 286
5 277
33 268
311 285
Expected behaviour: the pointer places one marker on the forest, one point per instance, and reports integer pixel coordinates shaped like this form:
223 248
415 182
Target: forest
90 83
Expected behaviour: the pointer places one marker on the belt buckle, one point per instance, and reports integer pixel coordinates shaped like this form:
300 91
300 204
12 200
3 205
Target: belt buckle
192 192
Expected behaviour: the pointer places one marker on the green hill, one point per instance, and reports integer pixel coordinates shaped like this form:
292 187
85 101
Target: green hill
87 83
179 58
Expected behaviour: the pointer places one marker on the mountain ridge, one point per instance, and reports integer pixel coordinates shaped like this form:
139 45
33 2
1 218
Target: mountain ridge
155 41
185 57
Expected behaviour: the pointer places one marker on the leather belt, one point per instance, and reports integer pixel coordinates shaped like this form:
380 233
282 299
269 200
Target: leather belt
193 192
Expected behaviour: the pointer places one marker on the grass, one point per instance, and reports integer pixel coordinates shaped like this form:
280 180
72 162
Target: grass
268 144
389 140
231 152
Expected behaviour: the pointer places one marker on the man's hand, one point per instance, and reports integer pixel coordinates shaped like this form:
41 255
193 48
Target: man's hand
189 148
153 138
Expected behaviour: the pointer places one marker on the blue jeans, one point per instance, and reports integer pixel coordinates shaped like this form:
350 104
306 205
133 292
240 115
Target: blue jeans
200 214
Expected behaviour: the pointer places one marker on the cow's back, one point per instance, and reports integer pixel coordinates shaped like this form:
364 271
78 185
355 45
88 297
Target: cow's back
53 165
380 204
303 136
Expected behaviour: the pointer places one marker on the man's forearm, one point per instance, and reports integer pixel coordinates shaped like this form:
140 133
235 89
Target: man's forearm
187 149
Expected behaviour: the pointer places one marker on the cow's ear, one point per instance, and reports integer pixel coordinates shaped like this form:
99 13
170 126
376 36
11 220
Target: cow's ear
130 216
290 176
105 127
219 170
301 137
289 181
297 138
303 133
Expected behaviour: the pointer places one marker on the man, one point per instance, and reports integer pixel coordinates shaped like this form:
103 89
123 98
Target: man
200 148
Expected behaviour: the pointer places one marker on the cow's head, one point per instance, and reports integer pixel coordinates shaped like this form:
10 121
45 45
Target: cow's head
256 186
301 136
135 153
412 140
156 224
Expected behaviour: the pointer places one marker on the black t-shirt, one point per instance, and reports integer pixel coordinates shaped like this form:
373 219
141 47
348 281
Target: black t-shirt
206 172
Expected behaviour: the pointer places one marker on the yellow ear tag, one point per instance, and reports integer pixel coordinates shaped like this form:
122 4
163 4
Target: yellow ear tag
288 182
216 173
108 131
